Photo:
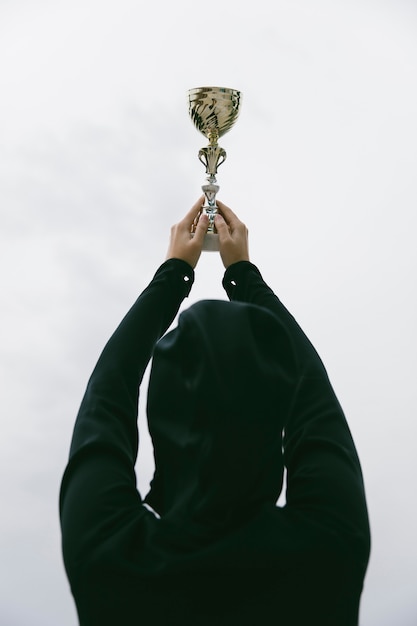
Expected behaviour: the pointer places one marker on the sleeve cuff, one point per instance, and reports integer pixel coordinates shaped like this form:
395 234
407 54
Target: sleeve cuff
178 269
235 274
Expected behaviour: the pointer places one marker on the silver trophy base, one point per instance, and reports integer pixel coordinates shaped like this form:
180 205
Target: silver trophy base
210 243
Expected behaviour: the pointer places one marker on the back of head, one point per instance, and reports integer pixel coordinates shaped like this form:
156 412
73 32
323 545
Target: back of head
219 394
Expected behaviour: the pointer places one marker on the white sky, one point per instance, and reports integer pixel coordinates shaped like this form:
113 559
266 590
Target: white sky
98 158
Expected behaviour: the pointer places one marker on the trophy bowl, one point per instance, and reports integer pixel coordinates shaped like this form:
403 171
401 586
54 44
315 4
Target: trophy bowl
213 110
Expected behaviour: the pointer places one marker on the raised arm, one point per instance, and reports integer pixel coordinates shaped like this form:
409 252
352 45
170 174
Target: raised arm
108 412
98 491
324 477
243 281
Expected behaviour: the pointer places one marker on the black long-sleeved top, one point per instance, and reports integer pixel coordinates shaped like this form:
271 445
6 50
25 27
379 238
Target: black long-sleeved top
224 386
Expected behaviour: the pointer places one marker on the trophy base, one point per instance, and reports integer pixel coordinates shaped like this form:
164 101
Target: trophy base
210 243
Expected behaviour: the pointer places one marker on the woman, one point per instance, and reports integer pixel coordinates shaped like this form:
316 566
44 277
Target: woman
236 393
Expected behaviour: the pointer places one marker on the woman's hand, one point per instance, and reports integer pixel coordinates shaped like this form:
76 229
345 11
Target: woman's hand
182 245
233 236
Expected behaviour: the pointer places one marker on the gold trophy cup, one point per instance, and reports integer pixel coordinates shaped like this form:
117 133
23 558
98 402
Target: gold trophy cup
214 110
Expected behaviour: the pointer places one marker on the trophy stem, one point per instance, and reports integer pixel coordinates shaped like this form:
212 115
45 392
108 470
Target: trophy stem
210 207
210 189
212 156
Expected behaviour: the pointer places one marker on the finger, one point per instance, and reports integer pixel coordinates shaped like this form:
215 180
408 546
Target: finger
193 212
201 229
221 227
230 217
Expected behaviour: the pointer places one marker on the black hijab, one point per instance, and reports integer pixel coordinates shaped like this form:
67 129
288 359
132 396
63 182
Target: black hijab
219 395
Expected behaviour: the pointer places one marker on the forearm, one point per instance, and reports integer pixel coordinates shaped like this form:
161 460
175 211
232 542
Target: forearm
108 412
243 282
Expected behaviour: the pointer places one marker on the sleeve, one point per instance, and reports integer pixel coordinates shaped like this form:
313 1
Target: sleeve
324 477
98 491
243 282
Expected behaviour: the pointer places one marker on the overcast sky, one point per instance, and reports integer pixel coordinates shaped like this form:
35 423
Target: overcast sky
98 158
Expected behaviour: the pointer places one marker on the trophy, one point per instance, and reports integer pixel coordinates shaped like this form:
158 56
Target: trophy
213 110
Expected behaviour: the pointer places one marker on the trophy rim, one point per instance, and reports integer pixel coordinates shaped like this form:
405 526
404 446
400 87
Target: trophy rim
228 90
